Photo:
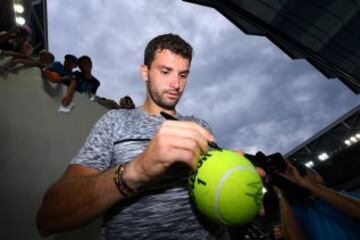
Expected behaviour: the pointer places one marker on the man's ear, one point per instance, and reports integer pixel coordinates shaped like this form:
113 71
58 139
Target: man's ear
144 71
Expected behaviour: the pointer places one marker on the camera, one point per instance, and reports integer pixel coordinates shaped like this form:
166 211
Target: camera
275 164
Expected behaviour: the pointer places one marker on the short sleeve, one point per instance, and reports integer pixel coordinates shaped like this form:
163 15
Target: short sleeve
199 121
97 151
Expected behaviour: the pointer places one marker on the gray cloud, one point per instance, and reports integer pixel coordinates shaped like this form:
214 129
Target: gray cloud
253 96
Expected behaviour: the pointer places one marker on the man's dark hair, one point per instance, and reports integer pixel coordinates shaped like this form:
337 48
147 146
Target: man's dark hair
169 41
83 58
71 58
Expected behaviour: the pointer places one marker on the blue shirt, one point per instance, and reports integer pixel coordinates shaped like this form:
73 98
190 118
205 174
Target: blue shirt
320 220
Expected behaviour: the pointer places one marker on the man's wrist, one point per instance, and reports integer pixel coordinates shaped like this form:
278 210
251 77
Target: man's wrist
132 177
121 183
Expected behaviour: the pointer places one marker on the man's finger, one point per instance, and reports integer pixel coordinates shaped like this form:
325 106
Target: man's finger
261 212
261 172
240 152
192 125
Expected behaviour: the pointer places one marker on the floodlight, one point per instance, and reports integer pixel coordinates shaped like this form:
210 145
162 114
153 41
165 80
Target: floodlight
18 8
323 156
20 20
309 164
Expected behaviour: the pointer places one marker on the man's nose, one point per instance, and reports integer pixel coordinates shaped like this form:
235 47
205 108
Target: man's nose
175 82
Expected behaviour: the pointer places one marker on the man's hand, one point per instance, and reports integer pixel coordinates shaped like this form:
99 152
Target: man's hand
293 175
262 174
175 141
66 100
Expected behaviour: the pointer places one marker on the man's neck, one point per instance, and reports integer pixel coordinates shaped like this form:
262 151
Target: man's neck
68 68
153 109
87 75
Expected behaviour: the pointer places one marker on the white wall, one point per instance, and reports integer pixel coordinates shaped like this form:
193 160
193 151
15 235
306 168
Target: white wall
36 144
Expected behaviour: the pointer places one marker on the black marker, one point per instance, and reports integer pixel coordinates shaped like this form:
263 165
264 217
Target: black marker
171 117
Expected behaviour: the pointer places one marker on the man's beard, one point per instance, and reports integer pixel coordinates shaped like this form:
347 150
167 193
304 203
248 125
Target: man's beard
156 97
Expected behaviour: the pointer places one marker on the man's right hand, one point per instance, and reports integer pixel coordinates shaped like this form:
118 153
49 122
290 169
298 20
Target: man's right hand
175 141
66 100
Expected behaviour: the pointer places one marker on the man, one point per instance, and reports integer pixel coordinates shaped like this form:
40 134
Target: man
325 214
278 233
65 70
148 157
86 82
16 42
64 74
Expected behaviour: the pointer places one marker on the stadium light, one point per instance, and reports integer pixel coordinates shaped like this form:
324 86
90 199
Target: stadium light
20 20
309 164
353 139
357 135
18 8
347 142
323 156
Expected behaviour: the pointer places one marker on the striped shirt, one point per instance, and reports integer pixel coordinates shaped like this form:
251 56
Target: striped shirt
163 209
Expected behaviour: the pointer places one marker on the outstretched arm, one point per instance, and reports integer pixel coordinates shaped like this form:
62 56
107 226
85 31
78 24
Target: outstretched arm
84 193
80 195
345 204
288 219
66 100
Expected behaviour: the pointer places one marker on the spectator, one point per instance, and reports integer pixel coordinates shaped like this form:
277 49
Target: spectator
59 73
64 71
278 233
17 41
45 58
325 214
86 82
126 103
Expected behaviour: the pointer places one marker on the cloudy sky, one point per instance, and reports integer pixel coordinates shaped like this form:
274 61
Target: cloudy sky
253 95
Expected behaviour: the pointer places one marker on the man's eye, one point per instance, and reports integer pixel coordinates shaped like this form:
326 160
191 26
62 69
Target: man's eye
183 75
164 72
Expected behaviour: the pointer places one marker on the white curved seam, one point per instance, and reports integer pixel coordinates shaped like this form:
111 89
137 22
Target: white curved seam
226 175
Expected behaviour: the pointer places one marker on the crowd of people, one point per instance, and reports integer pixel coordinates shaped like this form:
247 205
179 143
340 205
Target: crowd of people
16 45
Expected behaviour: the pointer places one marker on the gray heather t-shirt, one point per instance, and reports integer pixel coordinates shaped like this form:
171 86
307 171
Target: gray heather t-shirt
163 209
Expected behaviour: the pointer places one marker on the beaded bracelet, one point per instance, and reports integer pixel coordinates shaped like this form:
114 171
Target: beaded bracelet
121 184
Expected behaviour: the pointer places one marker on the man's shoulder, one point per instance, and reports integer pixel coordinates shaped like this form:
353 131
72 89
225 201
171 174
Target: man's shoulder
115 114
78 75
119 115
94 79
196 119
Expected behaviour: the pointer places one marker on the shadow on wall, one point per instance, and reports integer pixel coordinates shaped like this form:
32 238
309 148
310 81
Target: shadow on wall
36 144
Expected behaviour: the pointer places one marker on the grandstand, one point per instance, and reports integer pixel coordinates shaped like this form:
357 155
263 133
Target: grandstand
331 43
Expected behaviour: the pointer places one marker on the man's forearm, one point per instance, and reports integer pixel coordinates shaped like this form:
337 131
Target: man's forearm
16 55
347 205
76 200
288 221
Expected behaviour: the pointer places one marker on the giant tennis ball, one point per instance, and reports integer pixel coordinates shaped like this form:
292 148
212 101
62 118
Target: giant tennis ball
226 187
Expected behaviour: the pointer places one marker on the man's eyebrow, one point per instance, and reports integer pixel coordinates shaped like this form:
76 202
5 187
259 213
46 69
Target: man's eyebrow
185 71
165 67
